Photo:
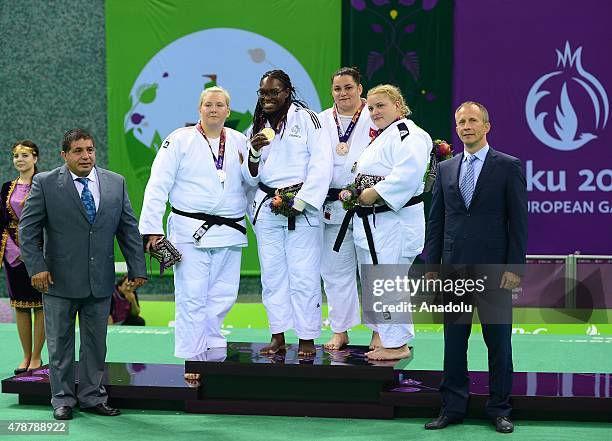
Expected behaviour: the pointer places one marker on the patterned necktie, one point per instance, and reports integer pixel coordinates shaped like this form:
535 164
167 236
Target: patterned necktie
467 183
88 200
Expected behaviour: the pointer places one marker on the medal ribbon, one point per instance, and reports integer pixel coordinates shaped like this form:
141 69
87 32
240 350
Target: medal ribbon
351 126
217 160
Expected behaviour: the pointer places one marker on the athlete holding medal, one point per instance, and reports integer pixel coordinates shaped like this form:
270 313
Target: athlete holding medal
349 125
288 151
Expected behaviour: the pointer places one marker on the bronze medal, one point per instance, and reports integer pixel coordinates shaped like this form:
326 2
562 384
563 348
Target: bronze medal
342 148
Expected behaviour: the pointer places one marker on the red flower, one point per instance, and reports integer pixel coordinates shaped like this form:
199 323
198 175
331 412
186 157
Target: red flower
444 149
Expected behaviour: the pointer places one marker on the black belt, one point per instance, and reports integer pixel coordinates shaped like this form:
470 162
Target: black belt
270 193
332 194
210 220
363 213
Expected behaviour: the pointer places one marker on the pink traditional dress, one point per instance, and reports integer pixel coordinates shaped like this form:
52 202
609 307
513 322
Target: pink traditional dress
20 290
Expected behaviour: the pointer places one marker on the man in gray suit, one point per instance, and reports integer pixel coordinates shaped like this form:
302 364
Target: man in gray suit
79 209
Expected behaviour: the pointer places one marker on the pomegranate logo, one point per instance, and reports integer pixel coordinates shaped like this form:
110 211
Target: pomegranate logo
572 84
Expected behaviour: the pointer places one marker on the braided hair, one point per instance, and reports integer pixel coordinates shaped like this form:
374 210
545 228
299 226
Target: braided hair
259 118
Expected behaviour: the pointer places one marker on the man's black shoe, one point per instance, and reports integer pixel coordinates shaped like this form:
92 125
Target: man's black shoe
62 413
441 422
102 409
503 424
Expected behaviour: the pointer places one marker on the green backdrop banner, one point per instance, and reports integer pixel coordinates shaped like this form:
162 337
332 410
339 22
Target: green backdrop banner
160 55
408 43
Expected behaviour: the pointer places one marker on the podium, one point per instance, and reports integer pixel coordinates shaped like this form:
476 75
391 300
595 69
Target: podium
342 384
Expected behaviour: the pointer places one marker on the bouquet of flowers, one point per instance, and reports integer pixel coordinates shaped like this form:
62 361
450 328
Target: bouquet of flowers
282 203
441 151
349 196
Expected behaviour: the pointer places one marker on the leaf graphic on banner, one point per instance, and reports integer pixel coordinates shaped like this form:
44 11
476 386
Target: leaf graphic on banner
412 64
360 5
376 28
428 5
375 62
566 124
147 93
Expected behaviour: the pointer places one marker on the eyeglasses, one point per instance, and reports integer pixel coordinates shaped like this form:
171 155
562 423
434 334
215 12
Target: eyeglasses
272 93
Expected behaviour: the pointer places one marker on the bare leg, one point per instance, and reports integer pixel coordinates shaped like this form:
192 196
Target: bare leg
338 341
39 338
375 343
277 344
23 317
306 348
389 353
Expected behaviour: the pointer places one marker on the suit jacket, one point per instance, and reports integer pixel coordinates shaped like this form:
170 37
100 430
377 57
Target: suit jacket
494 229
80 256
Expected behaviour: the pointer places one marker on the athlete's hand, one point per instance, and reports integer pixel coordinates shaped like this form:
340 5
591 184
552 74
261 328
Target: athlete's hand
259 141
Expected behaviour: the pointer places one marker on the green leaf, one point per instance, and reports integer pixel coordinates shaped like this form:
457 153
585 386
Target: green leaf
148 93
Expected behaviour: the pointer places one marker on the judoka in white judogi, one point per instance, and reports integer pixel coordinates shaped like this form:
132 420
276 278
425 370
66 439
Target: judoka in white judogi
338 269
400 153
290 259
207 278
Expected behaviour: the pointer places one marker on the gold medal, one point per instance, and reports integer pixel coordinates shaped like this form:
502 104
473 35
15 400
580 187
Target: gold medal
269 133
342 148
221 175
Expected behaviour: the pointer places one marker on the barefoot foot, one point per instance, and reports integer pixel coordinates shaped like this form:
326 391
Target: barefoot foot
338 341
191 376
277 344
389 353
306 348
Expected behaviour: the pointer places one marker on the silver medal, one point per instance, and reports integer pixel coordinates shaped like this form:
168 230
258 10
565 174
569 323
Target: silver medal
221 175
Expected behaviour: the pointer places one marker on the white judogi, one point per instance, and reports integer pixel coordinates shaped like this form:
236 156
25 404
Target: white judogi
290 259
339 269
207 278
399 235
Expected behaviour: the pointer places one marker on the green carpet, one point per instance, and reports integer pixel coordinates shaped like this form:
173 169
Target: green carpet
552 353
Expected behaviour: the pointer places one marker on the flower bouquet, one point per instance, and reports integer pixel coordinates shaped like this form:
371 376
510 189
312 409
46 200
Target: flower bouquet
282 203
441 151
349 196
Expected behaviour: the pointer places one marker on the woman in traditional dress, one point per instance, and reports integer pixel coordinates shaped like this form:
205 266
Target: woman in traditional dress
24 298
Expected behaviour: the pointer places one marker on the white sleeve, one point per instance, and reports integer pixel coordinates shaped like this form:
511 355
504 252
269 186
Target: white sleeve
320 165
161 181
409 158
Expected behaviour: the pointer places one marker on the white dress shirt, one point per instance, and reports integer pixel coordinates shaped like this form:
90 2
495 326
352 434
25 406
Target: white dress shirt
477 164
93 185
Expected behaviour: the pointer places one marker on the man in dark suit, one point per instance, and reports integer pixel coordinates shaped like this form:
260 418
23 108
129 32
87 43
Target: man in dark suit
478 217
78 209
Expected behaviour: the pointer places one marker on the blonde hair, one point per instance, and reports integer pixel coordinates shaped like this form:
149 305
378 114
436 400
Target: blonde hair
394 94
214 89
483 109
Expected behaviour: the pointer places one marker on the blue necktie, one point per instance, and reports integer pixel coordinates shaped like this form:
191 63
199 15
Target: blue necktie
88 200
467 183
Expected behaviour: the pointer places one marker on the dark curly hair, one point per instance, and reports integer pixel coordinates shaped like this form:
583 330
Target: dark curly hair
259 118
